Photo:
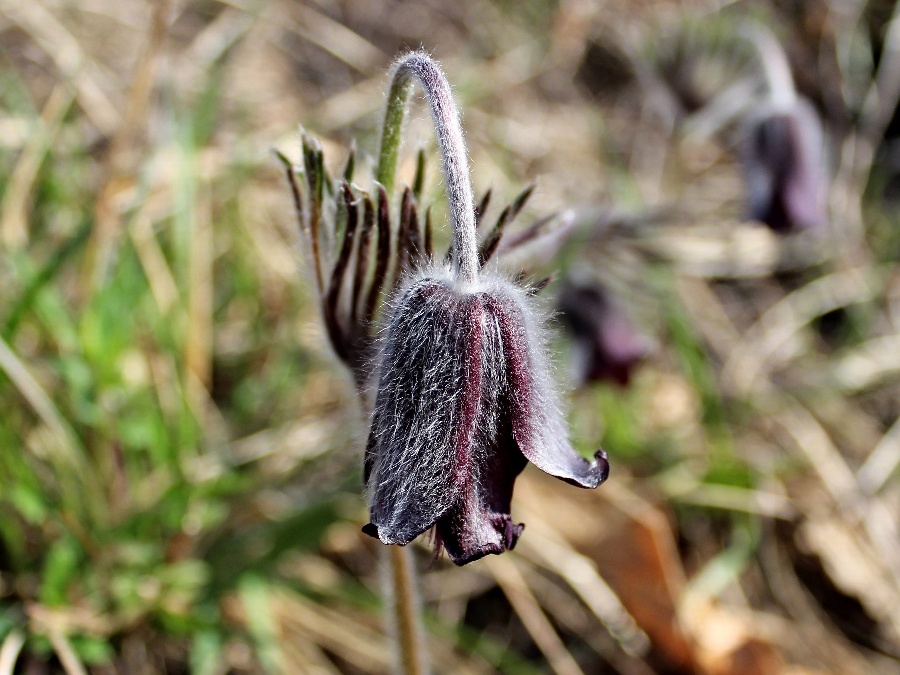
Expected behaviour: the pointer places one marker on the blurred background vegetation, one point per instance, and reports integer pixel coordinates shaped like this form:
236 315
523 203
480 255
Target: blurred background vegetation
180 453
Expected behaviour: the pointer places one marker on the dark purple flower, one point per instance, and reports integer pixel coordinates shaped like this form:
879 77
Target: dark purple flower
464 402
781 154
606 344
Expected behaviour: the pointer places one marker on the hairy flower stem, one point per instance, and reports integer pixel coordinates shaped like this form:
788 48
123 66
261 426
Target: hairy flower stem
444 113
392 131
405 611
447 126
774 63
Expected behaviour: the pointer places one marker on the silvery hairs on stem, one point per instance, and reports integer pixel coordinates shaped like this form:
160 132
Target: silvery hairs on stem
464 396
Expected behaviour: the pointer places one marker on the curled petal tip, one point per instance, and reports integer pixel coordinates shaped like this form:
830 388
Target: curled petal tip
601 464
586 473
511 533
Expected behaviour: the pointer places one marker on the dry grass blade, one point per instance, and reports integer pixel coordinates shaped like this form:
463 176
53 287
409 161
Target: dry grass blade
686 489
56 40
335 38
881 99
198 344
812 440
882 462
14 208
731 250
122 160
767 343
351 105
581 574
224 32
335 631
71 664
857 523
869 364
709 315
516 589
303 656
814 635
69 450
9 651
153 260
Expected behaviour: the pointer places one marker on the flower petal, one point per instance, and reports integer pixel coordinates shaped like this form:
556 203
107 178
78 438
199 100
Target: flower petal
424 421
479 523
537 424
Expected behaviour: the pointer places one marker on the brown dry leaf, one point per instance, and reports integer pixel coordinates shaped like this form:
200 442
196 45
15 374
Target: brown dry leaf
725 643
632 544
631 541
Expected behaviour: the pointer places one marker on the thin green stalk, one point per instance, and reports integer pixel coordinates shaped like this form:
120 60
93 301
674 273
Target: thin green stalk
392 131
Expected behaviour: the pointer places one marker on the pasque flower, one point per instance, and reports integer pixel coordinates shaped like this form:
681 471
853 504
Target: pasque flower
781 148
464 396
606 344
781 152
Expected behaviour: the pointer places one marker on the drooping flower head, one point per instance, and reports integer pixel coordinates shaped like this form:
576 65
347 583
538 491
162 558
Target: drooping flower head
781 153
606 344
464 396
781 148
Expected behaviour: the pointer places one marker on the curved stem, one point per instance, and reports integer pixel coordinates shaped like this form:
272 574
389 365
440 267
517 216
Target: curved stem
776 69
453 150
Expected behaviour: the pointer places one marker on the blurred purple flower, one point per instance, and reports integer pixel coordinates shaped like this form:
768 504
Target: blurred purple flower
606 344
781 154
464 402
